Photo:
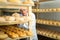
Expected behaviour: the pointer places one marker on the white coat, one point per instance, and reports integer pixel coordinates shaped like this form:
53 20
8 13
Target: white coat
32 26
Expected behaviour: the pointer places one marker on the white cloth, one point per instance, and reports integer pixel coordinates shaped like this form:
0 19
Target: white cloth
33 21
32 26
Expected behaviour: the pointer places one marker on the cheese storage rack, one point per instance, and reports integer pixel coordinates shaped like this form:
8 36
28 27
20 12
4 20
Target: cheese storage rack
46 32
47 10
14 6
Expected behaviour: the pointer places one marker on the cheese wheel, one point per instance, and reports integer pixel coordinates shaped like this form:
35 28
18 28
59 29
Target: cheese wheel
12 35
23 19
47 10
58 9
54 9
22 34
2 35
16 15
43 10
50 10
15 35
28 33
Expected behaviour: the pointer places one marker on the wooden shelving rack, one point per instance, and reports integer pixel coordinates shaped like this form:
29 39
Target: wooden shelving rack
15 6
47 32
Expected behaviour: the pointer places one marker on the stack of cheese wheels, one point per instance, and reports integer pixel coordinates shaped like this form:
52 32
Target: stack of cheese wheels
16 15
9 33
14 1
12 34
17 31
9 18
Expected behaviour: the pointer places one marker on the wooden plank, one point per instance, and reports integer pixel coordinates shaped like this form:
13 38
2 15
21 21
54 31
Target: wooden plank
46 10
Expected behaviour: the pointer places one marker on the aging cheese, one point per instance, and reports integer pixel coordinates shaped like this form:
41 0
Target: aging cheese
16 15
12 34
28 33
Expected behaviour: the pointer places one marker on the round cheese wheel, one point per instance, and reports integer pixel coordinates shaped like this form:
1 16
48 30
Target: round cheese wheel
22 34
15 35
2 35
16 15
50 10
12 34
55 9
58 9
9 18
28 33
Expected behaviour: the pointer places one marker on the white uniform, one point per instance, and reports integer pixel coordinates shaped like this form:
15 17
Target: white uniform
32 26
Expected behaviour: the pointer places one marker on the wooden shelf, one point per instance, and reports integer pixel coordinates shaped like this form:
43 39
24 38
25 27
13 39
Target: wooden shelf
48 33
9 23
14 4
46 10
17 38
10 30
48 22
7 38
11 5
12 22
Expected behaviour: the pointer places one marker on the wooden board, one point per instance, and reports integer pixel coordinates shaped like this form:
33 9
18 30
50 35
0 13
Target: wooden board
11 22
48 22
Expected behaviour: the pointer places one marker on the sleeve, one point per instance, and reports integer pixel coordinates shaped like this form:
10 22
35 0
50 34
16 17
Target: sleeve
33 18
32 22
